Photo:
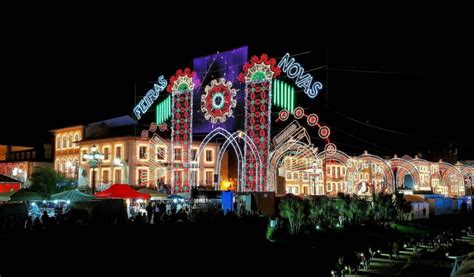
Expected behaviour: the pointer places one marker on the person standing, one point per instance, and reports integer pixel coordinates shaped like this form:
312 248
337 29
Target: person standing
149 211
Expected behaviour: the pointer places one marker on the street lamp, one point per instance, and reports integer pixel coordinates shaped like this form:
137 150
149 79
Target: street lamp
94 159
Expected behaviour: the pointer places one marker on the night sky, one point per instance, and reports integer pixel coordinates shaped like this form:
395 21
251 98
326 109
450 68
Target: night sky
398 79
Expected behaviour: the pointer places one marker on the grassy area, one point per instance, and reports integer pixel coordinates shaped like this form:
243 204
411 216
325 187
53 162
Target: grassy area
409 229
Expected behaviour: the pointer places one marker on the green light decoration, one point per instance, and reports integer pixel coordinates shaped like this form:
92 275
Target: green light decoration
163 110
283 95
258 76
183 86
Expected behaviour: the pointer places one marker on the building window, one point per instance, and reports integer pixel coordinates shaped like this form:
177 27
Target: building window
64 142
58 142
160 153
106 151
296 190
288 175
209 178
194 177
160 176
305 190
143 152
105 176
295 176
71 139
328 170
84 153
177 154
193 155
209 155
142 177
338 172
118 152
118 176
75 167
77 138
305 176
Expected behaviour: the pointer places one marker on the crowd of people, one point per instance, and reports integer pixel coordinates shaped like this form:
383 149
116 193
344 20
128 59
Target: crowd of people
361 260
153 212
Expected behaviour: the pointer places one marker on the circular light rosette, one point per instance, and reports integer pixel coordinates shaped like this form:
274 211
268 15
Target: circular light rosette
330 148
324 132
312 119
283 115
298 113
218 100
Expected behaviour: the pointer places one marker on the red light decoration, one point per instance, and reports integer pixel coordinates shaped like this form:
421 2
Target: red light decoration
283 115
259 69
218 101
298 113
182 80
181 88
324 132
312 119
257 75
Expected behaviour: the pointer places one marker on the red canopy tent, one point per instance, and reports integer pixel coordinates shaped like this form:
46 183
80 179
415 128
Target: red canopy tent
122 191
8 184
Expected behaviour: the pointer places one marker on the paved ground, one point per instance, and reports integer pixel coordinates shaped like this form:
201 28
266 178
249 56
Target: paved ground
407 265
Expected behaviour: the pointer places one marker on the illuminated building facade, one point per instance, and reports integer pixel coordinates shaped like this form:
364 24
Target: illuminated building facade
127 159
363 177
66 150
19 162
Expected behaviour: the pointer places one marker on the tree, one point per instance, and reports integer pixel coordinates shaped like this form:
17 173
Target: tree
316 210
402 207
45 181
292 208
383 209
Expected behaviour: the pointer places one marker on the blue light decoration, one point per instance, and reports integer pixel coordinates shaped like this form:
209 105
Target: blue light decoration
226 65
218 100
295 71
150 97
163 110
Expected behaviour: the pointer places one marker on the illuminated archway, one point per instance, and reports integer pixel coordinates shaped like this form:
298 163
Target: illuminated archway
450 179
232 140
241 167
304 150
467 173
403 167
381 176
428 180
349 165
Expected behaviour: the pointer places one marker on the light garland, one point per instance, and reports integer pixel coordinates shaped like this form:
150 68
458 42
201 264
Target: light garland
218 100
258 75
181 88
